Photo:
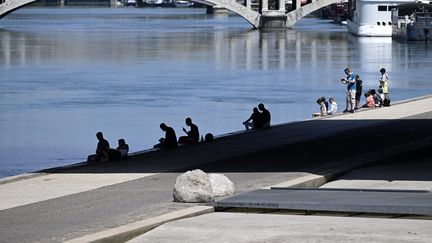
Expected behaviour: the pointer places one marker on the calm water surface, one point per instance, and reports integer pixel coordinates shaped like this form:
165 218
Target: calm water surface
66 73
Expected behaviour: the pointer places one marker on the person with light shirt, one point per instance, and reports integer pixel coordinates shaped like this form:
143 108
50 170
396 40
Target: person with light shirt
332 107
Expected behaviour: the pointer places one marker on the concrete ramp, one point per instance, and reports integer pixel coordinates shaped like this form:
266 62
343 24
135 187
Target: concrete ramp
412 202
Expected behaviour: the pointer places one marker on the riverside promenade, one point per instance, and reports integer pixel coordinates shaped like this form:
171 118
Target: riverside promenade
117 201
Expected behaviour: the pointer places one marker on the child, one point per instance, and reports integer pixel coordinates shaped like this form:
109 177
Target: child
123 148
333 107
323 109
370 103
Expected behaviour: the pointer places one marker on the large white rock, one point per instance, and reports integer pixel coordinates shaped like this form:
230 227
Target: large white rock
193 186
221 185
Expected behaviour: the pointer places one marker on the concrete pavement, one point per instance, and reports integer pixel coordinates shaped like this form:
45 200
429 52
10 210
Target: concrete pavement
273 228
141 188
283 226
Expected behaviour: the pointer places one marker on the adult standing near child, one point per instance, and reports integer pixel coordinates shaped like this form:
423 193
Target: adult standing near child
351 90
359 90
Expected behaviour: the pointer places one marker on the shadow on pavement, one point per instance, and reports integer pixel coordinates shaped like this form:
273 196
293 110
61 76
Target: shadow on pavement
315 146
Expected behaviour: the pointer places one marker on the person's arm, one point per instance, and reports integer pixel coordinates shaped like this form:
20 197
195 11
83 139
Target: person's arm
250 118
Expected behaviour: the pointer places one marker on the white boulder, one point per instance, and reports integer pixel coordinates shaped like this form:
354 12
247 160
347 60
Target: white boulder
221 185
193 186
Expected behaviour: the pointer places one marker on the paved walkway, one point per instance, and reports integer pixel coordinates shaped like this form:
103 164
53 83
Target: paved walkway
273 228
64 204
405 174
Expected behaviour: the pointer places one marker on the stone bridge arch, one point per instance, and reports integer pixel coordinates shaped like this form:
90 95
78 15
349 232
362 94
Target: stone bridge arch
8 6
297 14
256 19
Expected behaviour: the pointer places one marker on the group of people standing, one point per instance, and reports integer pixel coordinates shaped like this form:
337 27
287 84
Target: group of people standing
354 93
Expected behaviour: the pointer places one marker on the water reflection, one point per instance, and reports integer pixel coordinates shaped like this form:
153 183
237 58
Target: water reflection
67 73
250 49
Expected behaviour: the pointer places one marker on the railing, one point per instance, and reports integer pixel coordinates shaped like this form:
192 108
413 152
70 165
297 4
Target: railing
2 1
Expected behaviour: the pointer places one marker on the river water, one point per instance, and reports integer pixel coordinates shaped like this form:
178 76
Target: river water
66 73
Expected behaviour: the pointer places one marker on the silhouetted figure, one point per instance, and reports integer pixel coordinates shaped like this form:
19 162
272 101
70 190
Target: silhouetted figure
170 140
265 114
256 119
101 148
209 137
326 103
123 148
192 134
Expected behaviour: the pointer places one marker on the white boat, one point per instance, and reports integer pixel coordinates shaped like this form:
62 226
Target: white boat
182 3
371 17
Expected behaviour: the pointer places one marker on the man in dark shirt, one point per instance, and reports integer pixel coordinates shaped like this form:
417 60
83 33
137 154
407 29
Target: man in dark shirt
266 117
170 140
192 134
102 146
256 119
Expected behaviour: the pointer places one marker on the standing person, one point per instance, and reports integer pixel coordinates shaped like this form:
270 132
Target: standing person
170 139
323 109
265 115
351 90
192 134
102 147
333 107
359 89
384 81
256 119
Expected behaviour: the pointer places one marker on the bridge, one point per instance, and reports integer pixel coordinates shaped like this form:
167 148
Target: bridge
259 13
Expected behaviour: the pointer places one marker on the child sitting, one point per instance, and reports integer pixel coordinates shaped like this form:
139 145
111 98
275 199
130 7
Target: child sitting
370 103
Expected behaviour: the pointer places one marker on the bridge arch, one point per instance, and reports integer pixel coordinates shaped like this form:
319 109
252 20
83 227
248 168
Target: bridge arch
250 15
8 6
297 14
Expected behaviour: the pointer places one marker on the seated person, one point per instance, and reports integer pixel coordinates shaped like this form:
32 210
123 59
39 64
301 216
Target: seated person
255 118
265 115
333 107
323 109
102 146
377 98
123 148
170 139
370 103
192 134
209 137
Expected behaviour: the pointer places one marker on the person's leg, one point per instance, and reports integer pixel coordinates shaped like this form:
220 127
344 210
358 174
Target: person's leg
352 99
248 125
347 102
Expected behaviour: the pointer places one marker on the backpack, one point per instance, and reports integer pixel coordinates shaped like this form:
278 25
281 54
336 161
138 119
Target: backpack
386 101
